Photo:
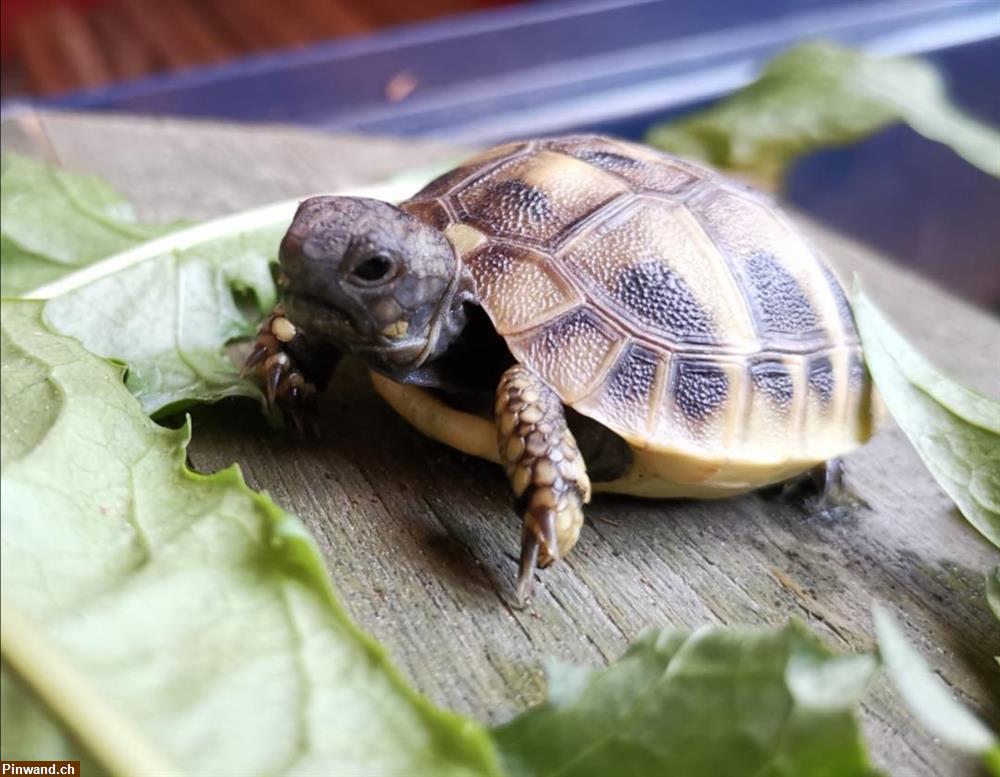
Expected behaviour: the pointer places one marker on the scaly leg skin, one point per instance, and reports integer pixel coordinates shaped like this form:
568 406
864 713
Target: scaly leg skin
291 370
545 469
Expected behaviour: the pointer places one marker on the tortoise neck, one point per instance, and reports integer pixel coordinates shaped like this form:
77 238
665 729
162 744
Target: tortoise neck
449 317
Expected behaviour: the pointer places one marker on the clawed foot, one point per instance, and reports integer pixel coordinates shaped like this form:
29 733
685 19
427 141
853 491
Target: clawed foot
823 488
554 516
275 369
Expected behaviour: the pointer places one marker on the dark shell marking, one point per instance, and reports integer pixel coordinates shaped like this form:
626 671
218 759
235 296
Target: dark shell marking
516 197
700 388
656 295
857 371
782 306
626 394
608 160
503 204
821 380
772 379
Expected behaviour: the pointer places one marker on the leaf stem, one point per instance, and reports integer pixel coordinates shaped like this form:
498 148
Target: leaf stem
80 707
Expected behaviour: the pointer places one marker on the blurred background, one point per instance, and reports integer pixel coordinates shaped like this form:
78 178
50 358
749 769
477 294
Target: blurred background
479 71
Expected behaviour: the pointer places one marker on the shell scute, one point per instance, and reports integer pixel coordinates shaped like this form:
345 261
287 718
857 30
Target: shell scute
700 403
842 305
536 198
572 352
780 276
431 211
627 393
771 420
650 172
517 287
821 379
470 169
824 395
699 389
652 264
772 380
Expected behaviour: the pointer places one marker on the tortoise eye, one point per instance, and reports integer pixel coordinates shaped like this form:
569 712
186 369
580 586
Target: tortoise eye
373 269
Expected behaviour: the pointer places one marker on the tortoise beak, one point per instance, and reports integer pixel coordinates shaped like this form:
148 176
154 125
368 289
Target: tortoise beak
318 316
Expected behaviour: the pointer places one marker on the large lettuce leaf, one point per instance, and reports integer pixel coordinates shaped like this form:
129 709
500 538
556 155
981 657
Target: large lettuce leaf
197 609
169 316
169 307
53 222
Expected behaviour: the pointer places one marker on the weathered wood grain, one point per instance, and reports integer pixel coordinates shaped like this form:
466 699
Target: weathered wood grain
421 542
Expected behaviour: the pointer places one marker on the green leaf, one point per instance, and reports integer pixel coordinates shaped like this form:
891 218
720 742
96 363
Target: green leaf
53 222
955 430
190 617
712 702
170 316
818 95
928 697
168 307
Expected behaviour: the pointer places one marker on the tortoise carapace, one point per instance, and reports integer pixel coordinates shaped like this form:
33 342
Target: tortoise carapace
578 305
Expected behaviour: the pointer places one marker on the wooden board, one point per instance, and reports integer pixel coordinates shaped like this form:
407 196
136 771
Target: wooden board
421 540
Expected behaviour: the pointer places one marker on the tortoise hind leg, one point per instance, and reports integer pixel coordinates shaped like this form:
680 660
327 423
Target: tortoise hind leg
825 481
545 469
828 478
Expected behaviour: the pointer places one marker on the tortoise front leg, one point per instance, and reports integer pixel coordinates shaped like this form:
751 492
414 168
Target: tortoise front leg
545 469
290 368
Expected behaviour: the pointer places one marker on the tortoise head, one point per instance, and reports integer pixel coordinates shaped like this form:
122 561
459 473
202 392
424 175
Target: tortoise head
372 280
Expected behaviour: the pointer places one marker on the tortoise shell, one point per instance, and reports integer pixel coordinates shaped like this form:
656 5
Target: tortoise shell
676 307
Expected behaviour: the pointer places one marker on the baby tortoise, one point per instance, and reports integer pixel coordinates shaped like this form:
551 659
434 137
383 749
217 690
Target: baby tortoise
589 313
